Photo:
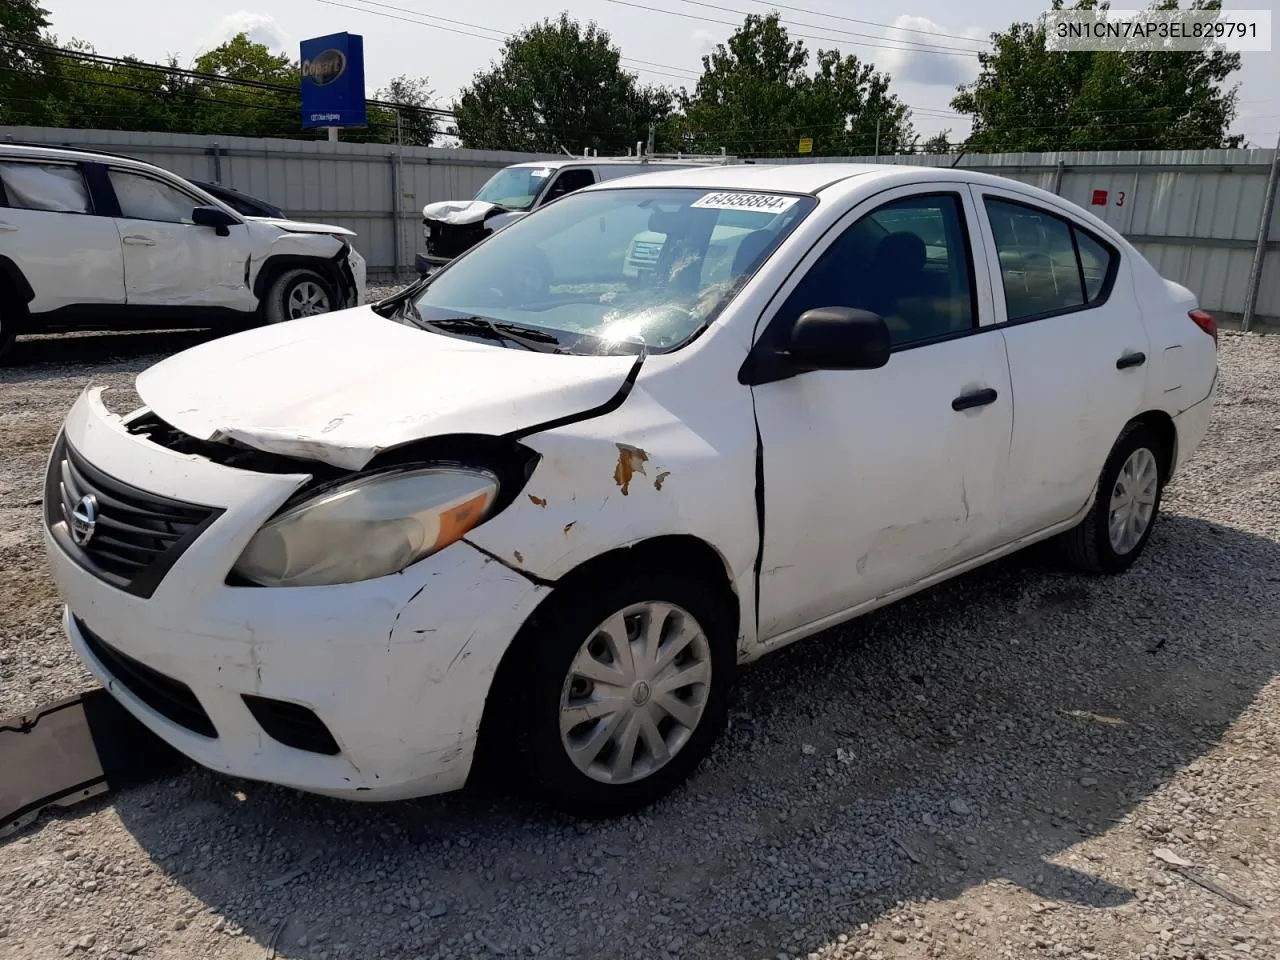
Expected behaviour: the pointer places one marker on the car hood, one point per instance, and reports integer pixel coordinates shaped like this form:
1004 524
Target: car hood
342 387
303 226
460 212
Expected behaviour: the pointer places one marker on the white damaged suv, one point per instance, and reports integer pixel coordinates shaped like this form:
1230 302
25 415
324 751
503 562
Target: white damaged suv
102 242
538 507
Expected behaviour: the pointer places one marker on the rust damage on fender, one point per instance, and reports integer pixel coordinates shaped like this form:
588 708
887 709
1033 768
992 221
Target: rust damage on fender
631 460
518 555
660 479
537 501
569 526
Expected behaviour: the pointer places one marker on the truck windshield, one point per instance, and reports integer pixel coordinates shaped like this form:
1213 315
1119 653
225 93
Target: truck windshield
515 187
616 269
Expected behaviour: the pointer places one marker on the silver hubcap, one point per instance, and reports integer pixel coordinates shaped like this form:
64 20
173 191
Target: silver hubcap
1133 500
307 299
635 692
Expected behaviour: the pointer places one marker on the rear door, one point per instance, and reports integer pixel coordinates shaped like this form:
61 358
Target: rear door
1077 353
49 229
170 261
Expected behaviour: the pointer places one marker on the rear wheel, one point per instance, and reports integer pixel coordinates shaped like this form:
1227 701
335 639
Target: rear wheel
1116 530
8 328
296 294
622 690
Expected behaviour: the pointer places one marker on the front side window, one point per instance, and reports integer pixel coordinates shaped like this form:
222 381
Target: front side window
143 198
616 269
1047 265
52 187
907 261
569 181
515 188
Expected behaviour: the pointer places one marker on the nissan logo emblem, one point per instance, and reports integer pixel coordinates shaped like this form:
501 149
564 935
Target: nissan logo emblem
84 519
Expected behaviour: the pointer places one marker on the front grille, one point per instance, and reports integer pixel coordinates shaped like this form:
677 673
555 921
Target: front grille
291 724
451 239
135 536
646 251
170 698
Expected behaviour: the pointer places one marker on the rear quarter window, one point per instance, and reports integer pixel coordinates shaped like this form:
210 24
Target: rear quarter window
52 187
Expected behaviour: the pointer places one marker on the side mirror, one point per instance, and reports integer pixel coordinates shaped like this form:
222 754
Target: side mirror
214 217
838 338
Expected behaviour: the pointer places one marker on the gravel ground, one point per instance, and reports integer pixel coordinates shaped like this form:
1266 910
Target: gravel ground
982 771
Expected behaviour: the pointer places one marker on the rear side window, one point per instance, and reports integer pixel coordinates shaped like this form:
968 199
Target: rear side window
1047 264
53 187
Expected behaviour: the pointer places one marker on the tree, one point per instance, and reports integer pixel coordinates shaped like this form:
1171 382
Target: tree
417 126
940 142
756 98
1030 98
29 71
556 85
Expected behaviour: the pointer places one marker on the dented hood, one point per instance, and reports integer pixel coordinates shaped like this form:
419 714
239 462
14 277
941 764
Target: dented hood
341 387
304 226
460 211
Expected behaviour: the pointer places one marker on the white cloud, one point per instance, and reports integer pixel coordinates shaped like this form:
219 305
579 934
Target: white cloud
910 62
260 27
704 41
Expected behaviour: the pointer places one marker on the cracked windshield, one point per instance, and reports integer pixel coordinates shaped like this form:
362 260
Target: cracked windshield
614 270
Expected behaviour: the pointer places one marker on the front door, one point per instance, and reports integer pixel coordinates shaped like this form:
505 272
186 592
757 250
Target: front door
876 479
169 261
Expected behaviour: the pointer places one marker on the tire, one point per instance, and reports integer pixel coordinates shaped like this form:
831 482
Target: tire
1139 460
8 330
296 294
545 682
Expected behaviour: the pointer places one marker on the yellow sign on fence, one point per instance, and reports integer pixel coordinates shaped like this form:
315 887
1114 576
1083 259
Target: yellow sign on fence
806 144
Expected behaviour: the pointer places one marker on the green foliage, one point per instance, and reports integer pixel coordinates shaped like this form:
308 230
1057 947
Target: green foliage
756 97
244 90
1029 98
26 68
558 84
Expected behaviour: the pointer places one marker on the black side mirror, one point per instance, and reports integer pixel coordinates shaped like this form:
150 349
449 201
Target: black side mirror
838 338
214 217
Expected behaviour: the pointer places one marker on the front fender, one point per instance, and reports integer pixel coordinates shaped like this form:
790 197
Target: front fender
632 475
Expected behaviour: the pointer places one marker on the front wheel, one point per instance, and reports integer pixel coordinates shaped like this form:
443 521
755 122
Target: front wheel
296 294
623 690
1116 530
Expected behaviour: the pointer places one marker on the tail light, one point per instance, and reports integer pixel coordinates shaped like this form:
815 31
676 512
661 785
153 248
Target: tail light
1204 320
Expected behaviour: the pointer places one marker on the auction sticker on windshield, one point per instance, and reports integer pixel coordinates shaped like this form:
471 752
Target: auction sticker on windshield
755 202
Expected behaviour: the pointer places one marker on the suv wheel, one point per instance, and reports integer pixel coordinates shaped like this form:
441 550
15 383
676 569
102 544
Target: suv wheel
296 294
8 329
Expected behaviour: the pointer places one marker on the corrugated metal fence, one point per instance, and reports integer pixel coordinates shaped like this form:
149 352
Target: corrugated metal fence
1195 214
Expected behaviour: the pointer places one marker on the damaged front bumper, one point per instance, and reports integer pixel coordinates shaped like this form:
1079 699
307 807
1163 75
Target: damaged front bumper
370 690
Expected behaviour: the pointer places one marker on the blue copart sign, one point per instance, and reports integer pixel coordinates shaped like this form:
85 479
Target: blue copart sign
333 81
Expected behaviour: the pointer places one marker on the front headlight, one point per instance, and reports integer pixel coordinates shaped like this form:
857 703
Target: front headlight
371 527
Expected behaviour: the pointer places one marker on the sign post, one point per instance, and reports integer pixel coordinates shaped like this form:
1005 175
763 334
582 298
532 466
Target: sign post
333 83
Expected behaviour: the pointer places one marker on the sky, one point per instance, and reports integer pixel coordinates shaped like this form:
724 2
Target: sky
927 46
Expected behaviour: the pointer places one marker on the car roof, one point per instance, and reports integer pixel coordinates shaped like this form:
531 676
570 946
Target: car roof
28 151
804 178
556 163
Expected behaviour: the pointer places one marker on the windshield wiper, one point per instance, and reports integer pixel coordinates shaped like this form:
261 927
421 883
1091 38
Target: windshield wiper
529 338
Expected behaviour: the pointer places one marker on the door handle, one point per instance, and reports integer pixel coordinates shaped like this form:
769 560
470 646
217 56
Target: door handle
135 241
978 398
1131 360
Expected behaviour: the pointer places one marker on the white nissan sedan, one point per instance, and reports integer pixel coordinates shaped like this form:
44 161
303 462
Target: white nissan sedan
541 505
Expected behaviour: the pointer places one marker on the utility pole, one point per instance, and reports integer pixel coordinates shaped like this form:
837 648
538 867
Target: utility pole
877 138
651 136
1260 250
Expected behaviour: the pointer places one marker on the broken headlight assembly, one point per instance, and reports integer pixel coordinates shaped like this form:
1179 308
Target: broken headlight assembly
370 527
